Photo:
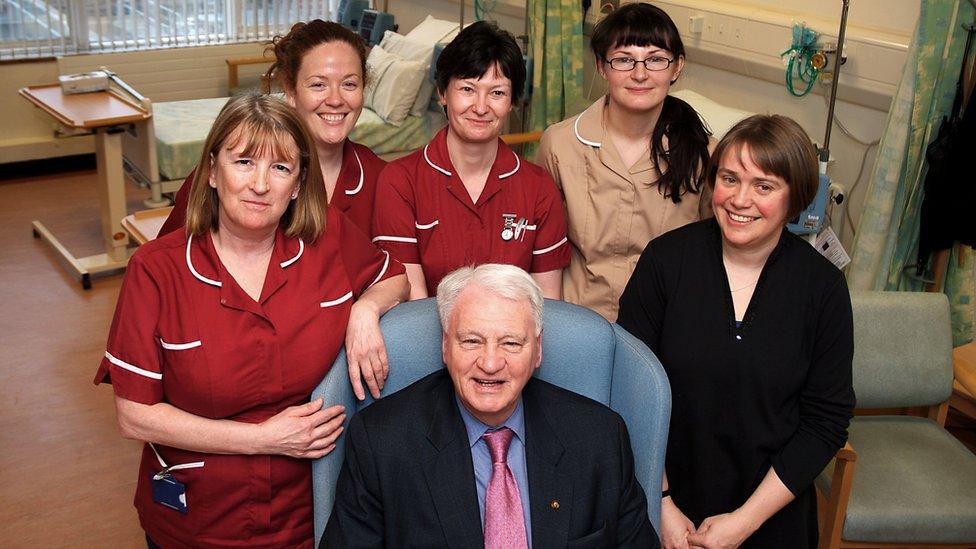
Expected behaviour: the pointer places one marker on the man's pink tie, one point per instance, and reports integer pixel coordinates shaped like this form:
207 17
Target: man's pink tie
504 522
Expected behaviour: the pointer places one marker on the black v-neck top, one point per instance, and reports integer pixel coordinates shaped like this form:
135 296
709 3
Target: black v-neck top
776 390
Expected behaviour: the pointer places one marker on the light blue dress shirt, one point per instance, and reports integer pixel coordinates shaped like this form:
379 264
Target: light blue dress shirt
481 459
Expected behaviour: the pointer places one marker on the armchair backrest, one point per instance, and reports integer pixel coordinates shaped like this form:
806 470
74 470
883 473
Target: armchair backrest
902 349
580 352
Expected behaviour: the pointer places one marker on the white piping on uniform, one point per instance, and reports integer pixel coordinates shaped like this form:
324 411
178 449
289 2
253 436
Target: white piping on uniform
134 369
386 264
428 225
518 164
432 165
550 248
180 346
301 250
337 301
580 137
360 186
189 264
408 240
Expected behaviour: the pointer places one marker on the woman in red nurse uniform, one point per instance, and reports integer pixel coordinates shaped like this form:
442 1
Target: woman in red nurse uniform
222 331
466 198
321 66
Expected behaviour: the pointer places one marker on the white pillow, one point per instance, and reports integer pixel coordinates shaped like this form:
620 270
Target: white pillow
719 118
393 86
415 51
431 31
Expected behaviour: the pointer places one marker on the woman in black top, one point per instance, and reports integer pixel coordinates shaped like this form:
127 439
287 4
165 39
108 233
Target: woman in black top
754 329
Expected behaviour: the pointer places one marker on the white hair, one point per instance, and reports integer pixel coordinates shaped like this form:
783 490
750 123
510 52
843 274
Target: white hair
505 281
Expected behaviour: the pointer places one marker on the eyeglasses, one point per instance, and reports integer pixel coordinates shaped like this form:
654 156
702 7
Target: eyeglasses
653 63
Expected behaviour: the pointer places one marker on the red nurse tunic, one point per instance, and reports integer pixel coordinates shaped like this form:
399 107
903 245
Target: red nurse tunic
424 214
185 333
354 192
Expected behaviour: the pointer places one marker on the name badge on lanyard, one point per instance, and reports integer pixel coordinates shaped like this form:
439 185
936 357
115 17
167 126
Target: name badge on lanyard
168 491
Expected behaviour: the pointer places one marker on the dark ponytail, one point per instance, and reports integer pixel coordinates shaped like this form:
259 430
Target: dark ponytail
687 152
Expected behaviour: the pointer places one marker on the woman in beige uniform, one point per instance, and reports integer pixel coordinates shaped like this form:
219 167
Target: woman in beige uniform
630 166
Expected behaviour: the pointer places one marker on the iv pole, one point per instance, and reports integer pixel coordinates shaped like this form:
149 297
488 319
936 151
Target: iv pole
838 61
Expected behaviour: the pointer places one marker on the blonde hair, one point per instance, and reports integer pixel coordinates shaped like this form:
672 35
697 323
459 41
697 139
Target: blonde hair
264 123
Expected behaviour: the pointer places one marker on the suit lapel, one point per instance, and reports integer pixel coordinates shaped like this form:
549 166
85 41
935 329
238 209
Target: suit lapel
550 489
450 474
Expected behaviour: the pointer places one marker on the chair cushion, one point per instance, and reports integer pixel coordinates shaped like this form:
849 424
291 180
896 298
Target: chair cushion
913 483
902 349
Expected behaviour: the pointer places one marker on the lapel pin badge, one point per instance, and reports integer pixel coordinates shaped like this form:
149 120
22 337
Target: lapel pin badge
508 231
554 504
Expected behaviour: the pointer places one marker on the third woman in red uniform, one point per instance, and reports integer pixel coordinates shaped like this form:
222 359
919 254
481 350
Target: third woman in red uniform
466 198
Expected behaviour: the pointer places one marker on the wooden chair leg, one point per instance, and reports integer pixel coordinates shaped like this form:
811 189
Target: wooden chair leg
835 510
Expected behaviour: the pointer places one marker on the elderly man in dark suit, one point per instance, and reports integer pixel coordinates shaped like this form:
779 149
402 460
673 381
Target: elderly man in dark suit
481 454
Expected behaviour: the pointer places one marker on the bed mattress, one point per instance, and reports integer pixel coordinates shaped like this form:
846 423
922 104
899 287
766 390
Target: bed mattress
182 126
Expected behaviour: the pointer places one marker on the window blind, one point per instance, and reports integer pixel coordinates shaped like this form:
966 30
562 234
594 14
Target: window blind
44 28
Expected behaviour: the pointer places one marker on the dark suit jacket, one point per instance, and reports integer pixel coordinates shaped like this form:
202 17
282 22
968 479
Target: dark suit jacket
408 481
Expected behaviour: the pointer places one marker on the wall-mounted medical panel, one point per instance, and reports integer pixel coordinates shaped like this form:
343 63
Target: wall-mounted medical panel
749 38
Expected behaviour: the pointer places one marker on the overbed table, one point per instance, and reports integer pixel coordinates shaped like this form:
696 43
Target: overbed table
106 114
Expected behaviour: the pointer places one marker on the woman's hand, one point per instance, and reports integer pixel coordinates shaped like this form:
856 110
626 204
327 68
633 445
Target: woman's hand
366 350
725 531
304 431
675 526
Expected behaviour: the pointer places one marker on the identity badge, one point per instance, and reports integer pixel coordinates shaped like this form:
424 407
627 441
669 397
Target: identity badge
169 492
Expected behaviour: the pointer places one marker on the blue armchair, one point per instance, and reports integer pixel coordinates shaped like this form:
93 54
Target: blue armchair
580 352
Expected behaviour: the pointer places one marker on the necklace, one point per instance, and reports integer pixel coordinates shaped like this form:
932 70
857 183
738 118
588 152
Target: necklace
751 284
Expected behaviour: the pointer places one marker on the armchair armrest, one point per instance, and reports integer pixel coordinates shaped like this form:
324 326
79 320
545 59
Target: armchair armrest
832 525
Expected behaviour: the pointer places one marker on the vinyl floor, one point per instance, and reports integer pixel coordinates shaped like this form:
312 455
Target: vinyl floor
66 476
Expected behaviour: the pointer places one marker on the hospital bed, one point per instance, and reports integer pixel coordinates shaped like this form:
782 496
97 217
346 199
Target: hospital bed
160 151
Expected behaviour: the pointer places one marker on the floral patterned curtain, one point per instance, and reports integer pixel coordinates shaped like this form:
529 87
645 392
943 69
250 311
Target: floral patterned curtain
556 38
887 235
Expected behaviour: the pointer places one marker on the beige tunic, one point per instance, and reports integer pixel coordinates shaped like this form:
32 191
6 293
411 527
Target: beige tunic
613 211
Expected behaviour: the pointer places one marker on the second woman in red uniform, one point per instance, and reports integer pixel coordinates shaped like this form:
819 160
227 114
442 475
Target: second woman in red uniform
321 66
466 198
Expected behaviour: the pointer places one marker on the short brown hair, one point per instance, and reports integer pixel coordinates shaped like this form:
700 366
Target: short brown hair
779 146
290 49
263 122
475 50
